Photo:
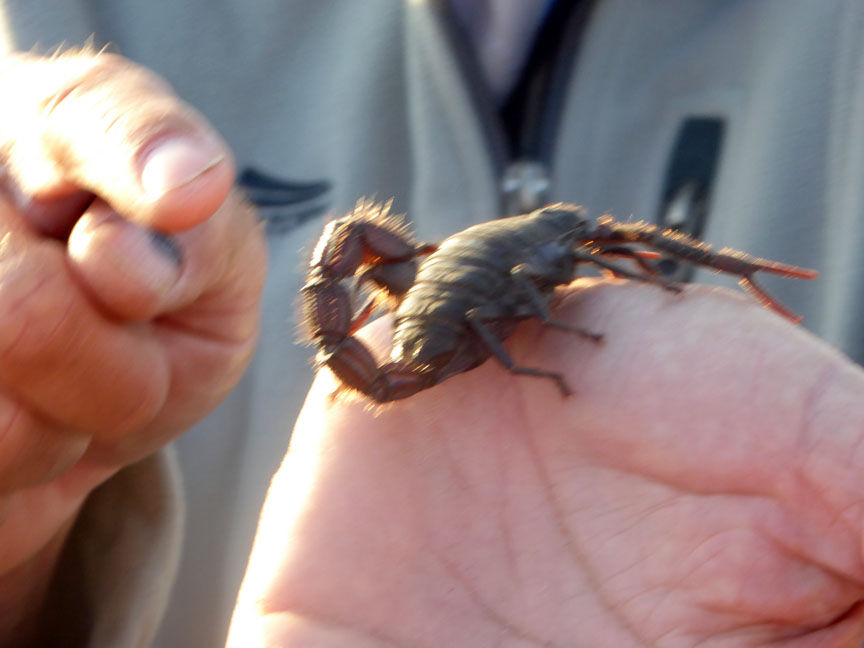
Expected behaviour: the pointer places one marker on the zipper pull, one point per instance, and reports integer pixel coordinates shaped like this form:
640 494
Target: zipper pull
524 187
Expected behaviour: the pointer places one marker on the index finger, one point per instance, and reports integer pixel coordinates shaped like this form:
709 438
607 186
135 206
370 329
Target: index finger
101 123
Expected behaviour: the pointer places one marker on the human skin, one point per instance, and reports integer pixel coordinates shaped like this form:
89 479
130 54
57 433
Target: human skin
704 486
112 342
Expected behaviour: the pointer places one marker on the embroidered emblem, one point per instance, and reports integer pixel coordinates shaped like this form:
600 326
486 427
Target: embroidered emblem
284 204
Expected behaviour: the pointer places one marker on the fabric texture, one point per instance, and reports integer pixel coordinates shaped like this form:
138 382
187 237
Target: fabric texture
117 570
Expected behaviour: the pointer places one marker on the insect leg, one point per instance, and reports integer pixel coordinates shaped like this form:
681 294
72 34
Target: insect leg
610 232
640 257
621 271
394 277
496 348
362 315
522 275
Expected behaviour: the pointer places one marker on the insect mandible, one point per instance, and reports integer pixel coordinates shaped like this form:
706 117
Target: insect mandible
457 302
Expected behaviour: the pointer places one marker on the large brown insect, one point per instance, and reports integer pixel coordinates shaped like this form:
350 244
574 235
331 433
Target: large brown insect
456 306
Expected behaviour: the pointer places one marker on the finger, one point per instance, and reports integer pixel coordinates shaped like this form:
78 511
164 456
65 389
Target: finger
126 268
53 216
203 310
33 451
60 355
136 273
101 123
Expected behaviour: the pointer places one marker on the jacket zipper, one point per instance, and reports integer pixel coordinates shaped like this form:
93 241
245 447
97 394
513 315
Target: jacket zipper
522 162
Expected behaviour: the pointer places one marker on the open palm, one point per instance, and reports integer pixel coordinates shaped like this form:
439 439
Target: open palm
704 486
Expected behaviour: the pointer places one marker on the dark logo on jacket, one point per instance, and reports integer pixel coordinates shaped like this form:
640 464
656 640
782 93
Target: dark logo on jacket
285 204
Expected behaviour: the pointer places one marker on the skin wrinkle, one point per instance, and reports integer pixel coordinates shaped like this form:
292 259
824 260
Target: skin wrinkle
658 641
724 609
142 405
688 488
850 528
851 584
730 606
853 456
452 571
183 326
542 476
459 474
744 626
225 274
306 612
49 104
186 324
808 440
510 553
707 540
113 122
485 608
816 596
385 639
803 634
757 634
63 319
593 465
624 602
96 73
665 594
503 518
683 578
9 316
706 562
70 307
558 516
638 517
815 559
9 425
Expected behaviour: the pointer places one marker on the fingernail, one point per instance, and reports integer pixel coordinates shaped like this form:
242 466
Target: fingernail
167 246
129 268
176 162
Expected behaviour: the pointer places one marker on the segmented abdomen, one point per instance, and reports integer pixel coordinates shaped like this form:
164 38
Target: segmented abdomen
468 270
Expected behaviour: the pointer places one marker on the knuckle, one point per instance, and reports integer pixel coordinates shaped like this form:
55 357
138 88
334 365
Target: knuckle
141 126
91 79
33 451
51 355
34 307
110 97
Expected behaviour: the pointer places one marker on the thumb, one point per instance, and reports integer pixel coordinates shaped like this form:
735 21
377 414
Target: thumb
100 123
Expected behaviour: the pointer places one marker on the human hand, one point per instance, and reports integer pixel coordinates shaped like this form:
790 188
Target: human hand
112 340
702 487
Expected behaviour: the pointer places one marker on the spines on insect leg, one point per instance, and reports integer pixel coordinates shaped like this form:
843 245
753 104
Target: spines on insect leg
380 215
753 289
327 313
610 232
367 236
772 267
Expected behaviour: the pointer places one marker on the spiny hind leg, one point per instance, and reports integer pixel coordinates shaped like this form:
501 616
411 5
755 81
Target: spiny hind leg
493 344
609 232
620 271
535 304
